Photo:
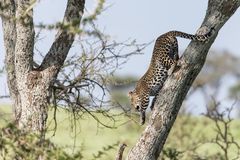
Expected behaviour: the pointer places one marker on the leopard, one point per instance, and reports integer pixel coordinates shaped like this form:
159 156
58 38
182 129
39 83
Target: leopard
163 63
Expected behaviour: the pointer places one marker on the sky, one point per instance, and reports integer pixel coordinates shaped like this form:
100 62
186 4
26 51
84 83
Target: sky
143 20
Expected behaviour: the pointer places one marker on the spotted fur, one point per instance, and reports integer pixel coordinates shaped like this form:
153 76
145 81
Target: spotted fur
164 59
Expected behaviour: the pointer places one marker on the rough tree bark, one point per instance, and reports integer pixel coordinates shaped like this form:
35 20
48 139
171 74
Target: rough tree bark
171 96
29 87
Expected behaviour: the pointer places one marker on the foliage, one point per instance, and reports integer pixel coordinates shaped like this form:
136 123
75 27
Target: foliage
218 65
212 138
89 72
122 81
19 144
171 153
235 91
224 138
191 137
104 151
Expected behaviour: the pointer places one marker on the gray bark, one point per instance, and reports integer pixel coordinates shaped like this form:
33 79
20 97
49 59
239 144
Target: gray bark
171 96
29 87
9 28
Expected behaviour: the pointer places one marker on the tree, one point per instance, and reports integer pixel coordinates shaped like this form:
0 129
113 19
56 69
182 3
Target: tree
29 86
171 96
56 79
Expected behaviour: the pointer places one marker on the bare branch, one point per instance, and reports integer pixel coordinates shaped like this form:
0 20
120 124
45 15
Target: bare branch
224 137
120 151
83 83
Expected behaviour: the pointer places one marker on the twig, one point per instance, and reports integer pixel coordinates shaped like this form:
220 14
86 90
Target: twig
120 151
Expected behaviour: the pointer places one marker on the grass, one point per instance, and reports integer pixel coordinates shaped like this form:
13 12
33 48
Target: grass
5 114
90 137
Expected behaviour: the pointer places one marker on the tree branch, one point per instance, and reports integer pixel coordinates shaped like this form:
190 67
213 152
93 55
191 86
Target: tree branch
120 151
171 96
65 37
25 38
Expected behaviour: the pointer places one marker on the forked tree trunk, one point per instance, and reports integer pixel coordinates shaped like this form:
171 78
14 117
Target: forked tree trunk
171 96
32 108
30 87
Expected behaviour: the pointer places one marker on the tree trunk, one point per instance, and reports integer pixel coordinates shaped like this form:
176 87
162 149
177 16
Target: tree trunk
171 96
34 93
30 87
9 28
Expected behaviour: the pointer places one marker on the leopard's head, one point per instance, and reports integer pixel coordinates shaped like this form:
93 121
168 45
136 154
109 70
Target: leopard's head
135 100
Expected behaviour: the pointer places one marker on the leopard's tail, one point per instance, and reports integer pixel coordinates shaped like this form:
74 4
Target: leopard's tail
190 36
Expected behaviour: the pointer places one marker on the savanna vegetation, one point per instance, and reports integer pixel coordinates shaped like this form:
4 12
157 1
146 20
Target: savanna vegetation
191 138
76 107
